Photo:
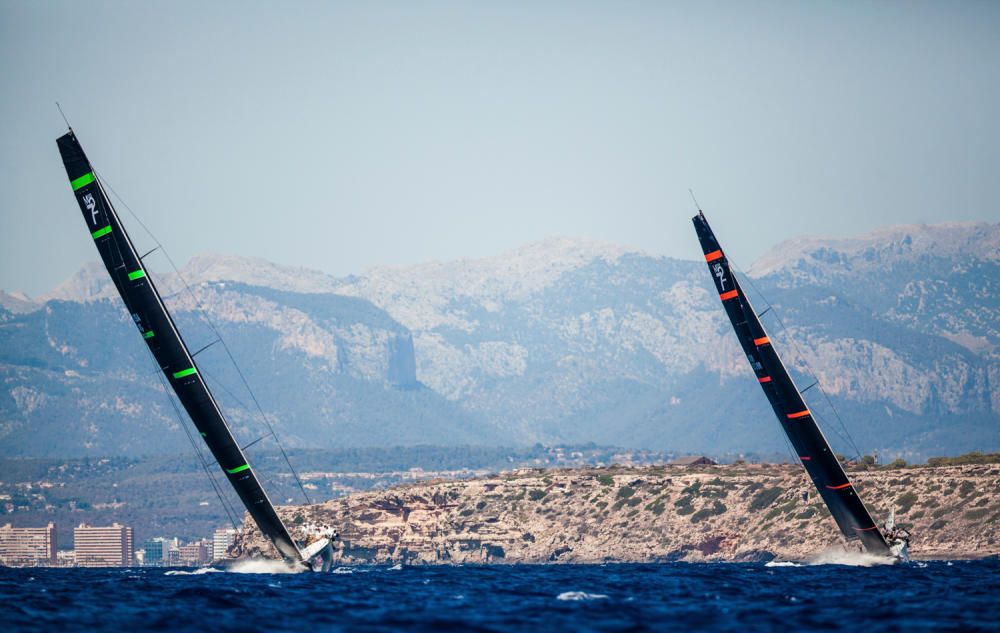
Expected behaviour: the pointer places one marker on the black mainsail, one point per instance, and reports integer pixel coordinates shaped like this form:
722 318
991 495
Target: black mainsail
814 451
161 335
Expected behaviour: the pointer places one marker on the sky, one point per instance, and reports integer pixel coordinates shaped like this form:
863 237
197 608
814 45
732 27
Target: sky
345 135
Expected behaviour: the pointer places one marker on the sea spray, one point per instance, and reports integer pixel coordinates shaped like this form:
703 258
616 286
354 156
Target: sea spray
840 556
262 566
196 572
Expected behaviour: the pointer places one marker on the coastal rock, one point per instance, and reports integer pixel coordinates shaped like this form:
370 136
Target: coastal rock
619 514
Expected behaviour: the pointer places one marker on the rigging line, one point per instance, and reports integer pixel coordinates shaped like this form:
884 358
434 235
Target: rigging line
696 205
791 451
216 382
201 458
784 329
162 378
205 348
203 313
160 375
243 448
65 120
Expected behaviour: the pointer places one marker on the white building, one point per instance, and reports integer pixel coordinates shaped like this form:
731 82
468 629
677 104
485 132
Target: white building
221 541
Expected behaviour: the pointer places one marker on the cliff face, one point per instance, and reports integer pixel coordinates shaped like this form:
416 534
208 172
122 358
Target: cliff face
724 513
560 342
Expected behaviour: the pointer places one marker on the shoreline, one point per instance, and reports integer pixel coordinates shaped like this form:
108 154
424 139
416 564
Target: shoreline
620 514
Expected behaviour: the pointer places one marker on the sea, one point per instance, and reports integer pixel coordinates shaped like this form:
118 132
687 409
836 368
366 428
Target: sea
922 596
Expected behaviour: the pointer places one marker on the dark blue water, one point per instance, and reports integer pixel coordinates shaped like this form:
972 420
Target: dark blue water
939 596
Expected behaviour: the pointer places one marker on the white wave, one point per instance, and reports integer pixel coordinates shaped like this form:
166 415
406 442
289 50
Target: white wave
782 563
580 595
839 556
197 572
262 566
343 570
396 567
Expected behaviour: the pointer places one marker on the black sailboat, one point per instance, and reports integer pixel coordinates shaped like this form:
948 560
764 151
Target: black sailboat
812 448
157 328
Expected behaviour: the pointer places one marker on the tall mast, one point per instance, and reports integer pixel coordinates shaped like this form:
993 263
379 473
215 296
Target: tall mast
166 344
814 452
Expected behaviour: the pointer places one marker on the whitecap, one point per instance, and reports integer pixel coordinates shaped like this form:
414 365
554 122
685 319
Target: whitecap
396 567
782 563
343 570
197 572
580 595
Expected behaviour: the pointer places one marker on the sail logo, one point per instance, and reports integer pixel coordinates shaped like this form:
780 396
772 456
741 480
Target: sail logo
91 204
720 272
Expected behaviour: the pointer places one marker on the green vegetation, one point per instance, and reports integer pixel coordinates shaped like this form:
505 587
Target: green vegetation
974 457
765 498
966 489
808 513
606 480
905 501
634 501
782 508
716 509
683 505
537 494
625 492
656 507
692 489
937 525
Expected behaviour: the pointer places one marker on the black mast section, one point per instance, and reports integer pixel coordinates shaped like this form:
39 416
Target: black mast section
814 451
165 342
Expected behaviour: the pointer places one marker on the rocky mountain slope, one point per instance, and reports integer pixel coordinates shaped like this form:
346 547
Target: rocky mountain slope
565 340
658 513
327 369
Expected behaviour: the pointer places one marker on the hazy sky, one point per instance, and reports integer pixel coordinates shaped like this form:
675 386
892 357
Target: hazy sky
344 135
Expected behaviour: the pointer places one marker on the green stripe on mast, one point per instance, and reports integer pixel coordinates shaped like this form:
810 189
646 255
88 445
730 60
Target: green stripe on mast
238 469
101 232
185 372
82 181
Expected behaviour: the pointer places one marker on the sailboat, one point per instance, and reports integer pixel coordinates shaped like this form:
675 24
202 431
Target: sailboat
161 335
795 417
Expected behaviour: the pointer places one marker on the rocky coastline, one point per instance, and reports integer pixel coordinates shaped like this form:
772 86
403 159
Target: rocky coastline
744 512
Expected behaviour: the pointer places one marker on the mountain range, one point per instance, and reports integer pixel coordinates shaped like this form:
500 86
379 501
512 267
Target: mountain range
561 341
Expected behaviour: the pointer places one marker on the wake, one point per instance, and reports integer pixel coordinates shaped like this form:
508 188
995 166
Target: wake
838 556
